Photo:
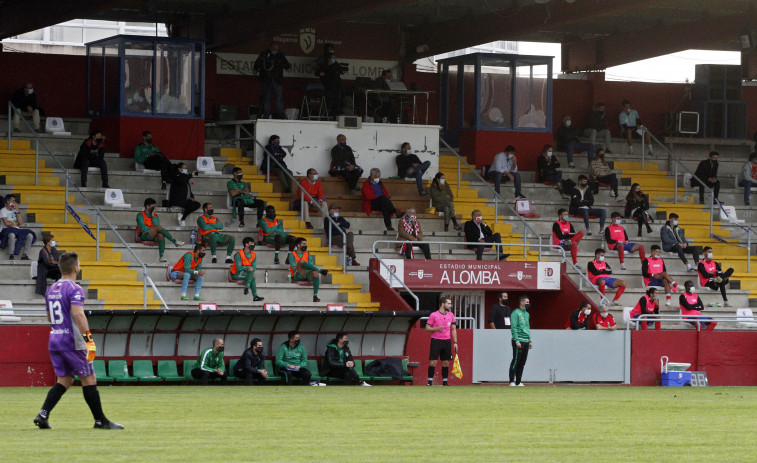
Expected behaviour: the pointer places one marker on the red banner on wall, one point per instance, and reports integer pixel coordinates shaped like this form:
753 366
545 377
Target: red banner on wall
476 274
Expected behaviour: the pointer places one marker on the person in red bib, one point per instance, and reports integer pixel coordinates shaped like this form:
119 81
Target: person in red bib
649 304
301 266
692 307
565 236
210 233
598 270
580 318
244 266
617 239
603 320
655 274
749 177
190 267
150 228
712 276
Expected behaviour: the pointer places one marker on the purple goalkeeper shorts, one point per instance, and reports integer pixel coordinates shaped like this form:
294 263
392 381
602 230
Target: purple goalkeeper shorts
71 363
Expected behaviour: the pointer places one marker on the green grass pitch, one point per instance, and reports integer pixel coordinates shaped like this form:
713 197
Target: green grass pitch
387 424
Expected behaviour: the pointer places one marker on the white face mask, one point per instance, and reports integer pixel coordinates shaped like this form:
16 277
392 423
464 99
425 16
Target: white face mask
565 218
709 255
184 171
587 312
53 243
675 223
617 222
655 256
549 154
409 152
412 218
605 314
690 290
336 214
479 219
567 123
442 181
601 258
376 180
315 177
31 91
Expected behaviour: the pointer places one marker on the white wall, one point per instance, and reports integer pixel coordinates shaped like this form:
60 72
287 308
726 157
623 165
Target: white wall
309 144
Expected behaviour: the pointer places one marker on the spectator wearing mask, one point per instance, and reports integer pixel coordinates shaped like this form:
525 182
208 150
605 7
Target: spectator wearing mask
581 202
442 200
241 197
210 364
692 307
580 319
148 154
707 173
600 172
480 235
673 239
47 264
280 170
712 276
150 229
603 320
181 194
565 236
630 122
376 198
244 266
649 304
343 163
409 229
18 240
302 266
598 273
567 139
190 267
749 177
547 167
410 166
270 67
617 239
336 237
339 363
272 230
92 154
597 126
637 204
25 101
655 273
312 184
499 314
251 366
505 167
210 233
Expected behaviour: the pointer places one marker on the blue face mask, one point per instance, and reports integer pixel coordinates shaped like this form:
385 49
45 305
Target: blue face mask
343 144
276 143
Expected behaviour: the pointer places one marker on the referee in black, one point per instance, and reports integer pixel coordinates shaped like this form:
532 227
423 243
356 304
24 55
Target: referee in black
499 314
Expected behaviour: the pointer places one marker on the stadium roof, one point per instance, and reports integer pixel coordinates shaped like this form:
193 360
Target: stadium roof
595 34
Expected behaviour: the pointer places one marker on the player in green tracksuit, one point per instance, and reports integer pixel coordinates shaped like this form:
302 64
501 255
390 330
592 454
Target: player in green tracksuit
150 229
301 266
521 342
210 233
244 266
291 360
209 364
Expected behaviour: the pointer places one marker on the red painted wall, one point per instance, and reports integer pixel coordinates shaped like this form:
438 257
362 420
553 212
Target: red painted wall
381 292
480 146
417 346
24 359
176 138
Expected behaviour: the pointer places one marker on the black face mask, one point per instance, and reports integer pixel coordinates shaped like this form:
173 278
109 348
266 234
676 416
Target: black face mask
503 302
304 248
220 349
251 247
527 306
272 215
151 210
259 351
346 343
201 254
98 140
210 212
149 141
296 343
239 177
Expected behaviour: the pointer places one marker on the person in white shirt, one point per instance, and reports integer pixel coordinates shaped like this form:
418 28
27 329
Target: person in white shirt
505 167
749 177
15 238
629 123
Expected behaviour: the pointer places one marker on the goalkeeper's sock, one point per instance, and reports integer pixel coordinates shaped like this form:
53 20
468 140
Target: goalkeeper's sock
431 371
53 396
445 374
92 397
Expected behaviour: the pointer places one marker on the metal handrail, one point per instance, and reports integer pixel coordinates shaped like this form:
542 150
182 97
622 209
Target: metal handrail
92 207
497 197
303 193
698 319
582 276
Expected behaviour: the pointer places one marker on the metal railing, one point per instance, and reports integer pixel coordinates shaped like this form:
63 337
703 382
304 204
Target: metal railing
693 319
498 246
94 210
497 197
304 193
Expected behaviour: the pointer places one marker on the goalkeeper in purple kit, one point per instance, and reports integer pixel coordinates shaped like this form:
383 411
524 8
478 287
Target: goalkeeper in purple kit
72 349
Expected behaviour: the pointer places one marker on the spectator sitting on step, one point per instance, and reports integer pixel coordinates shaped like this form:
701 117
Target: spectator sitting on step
600 172
603 320
302 268
312 184
291 360
25 100
617 239
565 236
272 230
274 147
150 229
92 154
210 364
547 167
712 276
244 266
151 158
210 233
581 202
477 231
181 194
630 122
409 229
673 239
505 167
241 197
637 205
649 304
692 307
581 317
655 273
18 240
336 237
567 140
47 264
410 166
188 267
343 163
707 173
339 363
597 125
598 271
376 198
749 177
251 366
443 200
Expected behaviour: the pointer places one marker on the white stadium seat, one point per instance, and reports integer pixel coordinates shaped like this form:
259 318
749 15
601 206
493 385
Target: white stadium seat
114 197
55 126
206 166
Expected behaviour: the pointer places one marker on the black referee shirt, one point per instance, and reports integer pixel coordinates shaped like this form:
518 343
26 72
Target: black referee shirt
500 315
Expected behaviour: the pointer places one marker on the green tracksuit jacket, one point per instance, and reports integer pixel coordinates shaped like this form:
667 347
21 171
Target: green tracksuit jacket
519 325
210 361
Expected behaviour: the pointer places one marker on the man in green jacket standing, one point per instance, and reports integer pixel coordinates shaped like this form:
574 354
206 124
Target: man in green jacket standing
210 364
291 360
521 331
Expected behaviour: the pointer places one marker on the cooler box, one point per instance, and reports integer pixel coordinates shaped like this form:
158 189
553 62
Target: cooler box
676 378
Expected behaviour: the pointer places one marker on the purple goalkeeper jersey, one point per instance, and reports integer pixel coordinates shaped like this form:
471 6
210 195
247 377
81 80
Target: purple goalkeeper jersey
64 335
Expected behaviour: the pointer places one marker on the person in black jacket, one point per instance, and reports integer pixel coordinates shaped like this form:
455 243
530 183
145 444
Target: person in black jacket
47 264
547 169
251 366
476 231
25 100
579 319
499 314
274 147
338 361
581 202
92 154
336 237
707 172
330 73
410 166
270 67
637 204
180 193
